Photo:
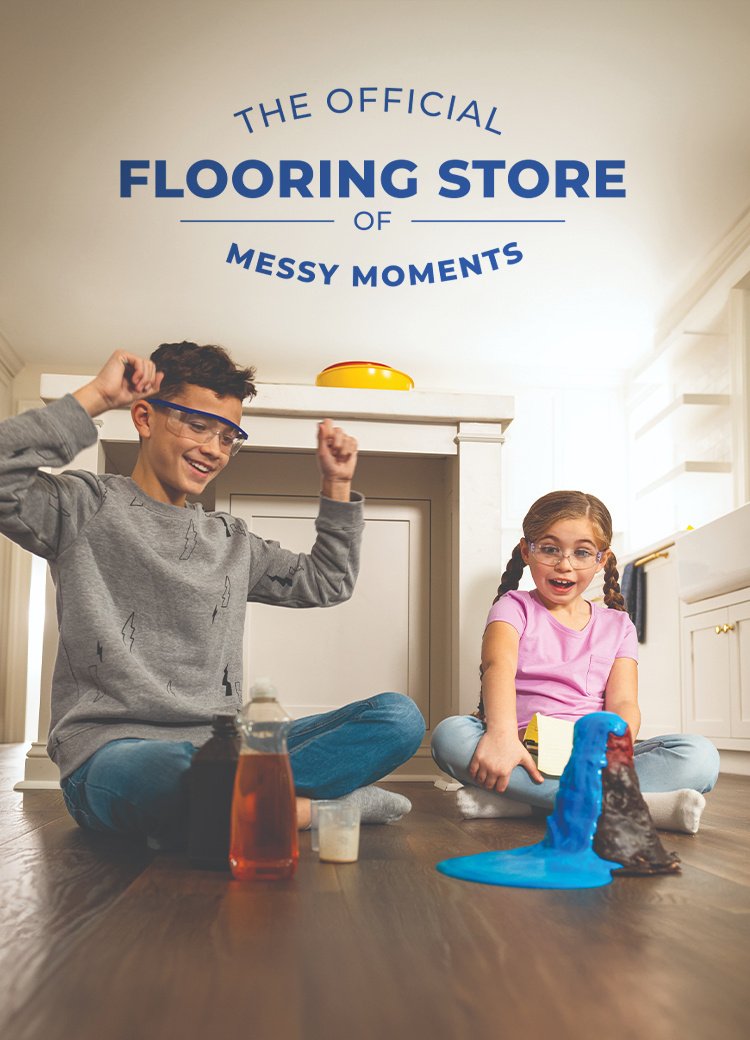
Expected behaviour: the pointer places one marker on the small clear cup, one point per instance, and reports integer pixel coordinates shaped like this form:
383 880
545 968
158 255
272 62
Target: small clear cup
338 832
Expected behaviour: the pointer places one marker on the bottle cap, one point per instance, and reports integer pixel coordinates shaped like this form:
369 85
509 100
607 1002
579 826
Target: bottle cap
222 722
263 689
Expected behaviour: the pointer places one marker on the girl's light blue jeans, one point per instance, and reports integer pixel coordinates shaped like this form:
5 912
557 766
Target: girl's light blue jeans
136 787
668 763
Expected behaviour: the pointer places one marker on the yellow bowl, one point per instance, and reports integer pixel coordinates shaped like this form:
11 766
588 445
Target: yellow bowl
364 375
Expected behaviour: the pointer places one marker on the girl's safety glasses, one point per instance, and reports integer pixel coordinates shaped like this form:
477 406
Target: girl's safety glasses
579 559
201 427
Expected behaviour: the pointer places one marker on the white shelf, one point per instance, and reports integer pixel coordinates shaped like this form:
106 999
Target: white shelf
678 471
682 401
673 352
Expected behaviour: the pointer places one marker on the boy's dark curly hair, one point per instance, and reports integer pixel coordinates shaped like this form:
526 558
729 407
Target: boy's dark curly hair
187 363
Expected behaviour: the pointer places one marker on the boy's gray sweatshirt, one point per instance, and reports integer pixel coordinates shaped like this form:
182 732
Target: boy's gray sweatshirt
150 597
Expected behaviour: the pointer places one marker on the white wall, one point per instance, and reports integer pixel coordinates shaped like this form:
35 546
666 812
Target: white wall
26 382
567 436
17 393
10 727
687 405
6 400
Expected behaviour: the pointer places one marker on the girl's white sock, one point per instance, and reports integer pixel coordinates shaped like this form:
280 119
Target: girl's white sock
670 810
675 810
474 803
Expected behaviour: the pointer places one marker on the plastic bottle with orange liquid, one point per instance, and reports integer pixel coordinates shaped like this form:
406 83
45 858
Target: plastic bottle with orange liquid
263 844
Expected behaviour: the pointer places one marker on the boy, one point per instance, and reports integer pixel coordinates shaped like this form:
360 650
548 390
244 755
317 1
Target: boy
151 595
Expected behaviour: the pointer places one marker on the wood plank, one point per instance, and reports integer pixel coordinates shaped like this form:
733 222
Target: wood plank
54 880
11 762
21 813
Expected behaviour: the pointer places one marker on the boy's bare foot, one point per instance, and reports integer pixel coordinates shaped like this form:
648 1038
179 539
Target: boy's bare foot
303 814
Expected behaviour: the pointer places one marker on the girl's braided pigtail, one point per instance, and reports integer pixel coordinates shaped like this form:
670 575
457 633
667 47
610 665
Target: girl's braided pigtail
612 595
512 573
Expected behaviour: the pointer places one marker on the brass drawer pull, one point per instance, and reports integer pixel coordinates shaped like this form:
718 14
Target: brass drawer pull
723 629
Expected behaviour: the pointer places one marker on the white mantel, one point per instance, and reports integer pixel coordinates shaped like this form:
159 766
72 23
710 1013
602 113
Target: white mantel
297 399
465 431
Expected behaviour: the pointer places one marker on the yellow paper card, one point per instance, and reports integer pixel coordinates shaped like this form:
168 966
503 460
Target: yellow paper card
554 740
532 731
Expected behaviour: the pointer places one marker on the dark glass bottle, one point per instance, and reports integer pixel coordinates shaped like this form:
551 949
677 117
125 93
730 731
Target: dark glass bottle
210 783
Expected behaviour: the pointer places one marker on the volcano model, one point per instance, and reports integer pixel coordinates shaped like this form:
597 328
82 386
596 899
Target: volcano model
600 824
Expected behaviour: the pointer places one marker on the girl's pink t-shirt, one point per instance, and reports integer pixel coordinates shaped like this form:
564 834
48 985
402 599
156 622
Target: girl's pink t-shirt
562 672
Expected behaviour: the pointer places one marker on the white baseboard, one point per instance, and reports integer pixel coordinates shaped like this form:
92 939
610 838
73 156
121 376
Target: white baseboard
407 778
37 785
737 762
40 772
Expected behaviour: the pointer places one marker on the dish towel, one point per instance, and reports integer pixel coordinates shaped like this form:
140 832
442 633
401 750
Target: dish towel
633 588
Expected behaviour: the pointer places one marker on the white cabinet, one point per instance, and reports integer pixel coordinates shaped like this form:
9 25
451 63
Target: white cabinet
659 657
394 633
659 681
377 641
716 669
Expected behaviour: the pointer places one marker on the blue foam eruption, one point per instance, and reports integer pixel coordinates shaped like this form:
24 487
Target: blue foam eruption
565 858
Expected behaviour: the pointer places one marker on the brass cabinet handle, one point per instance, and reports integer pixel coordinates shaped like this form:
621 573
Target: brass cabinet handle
723 629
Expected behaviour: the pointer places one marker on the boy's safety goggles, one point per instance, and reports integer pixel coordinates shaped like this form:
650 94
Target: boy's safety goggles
201 427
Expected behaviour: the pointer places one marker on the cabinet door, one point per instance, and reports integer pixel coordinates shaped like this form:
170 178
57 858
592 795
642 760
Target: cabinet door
706 674
739 657
376 642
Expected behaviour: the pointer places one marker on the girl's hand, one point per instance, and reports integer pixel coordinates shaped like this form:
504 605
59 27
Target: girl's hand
125 378
495 758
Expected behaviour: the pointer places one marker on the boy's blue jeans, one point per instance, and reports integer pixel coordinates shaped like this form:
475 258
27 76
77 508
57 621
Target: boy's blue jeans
668 763
136 787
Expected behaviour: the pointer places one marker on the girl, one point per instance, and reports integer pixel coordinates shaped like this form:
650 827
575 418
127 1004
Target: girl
553 652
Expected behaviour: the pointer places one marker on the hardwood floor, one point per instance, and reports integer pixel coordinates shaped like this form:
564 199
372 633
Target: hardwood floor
101 939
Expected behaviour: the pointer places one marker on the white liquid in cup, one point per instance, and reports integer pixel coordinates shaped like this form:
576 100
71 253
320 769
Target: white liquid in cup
338 833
